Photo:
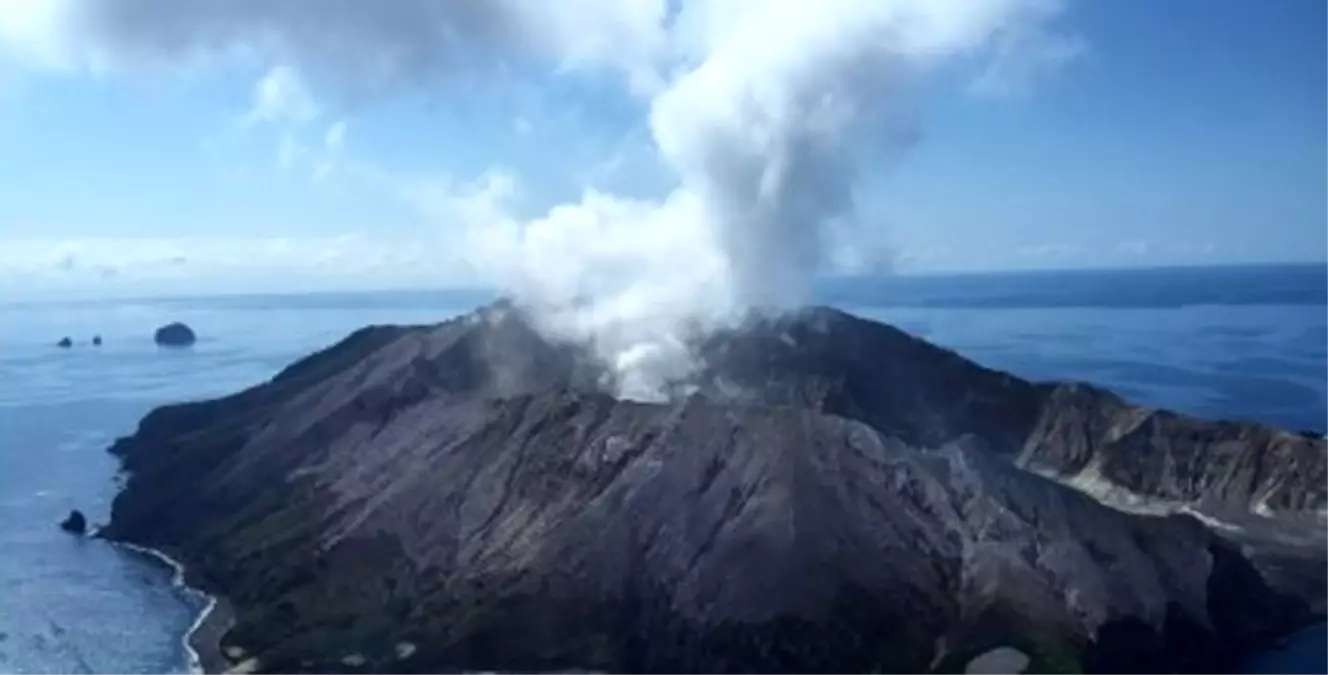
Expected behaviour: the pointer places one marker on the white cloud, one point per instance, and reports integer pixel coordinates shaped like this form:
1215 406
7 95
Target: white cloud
35 30
281 97
368 47
763 113
332 157
335 139
484 199
631 155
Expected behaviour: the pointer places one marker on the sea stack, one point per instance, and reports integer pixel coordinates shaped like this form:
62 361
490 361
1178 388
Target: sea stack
75 523
175 335
65 343
96 341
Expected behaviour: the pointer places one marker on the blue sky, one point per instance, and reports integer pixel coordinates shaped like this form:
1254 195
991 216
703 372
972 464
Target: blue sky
1167 132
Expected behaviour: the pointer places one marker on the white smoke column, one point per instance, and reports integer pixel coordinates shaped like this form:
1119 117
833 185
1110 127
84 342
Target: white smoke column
765 127
764 110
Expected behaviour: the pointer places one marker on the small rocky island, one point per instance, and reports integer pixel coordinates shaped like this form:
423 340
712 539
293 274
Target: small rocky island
828 494
75 523
175 335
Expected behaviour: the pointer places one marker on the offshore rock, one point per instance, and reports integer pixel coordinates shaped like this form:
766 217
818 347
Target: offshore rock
75 523
174 335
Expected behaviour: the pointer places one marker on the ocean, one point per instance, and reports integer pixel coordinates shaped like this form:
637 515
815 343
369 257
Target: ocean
1245 343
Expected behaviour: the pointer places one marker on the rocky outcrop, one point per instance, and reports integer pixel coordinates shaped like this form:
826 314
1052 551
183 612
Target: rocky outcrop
827 494
839 364
174 335
65 343
1137 455
1076 433
96 340
75 523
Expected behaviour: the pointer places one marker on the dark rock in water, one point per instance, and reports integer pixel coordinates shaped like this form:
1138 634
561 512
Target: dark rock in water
65 343
96 341
832 495
175 335
75 522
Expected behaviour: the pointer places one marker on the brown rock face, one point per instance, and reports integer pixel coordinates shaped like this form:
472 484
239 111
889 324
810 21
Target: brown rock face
1093 435
828 494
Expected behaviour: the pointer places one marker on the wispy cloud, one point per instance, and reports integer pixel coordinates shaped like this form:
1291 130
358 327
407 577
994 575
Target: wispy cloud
1050 250
487 199
335 138
227 262
1028 53
280 97
333 150
1133 247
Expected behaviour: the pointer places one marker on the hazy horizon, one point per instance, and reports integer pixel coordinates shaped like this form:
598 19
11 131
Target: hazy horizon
81 296
173 147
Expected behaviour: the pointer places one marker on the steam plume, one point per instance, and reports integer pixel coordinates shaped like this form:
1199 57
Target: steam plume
764 110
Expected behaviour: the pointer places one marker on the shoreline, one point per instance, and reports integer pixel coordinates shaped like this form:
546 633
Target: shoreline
202 640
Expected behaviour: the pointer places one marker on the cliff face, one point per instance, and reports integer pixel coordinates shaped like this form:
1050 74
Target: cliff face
1073 432
832 495
1133 454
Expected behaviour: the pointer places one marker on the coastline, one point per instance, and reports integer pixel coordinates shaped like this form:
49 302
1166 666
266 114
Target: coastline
202 641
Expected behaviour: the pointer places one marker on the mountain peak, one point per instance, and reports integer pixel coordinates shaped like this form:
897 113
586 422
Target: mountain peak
827 493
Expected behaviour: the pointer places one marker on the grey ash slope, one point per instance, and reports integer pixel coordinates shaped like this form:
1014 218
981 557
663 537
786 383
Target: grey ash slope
844 365
836 496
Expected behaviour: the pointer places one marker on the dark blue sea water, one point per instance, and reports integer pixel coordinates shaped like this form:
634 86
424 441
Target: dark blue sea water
1249 343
